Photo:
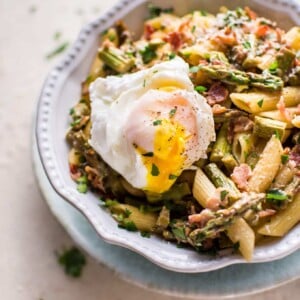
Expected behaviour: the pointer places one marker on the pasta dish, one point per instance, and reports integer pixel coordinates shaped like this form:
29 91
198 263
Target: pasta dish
191 131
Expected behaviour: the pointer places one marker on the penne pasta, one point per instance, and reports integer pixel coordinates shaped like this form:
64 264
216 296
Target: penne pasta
284 220
256 102
242 145
277 115
240 232
203 188
266 167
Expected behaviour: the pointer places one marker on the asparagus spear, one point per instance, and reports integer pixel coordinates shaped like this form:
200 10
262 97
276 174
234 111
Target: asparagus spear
265 128
224 217
237 77
219 179
116 59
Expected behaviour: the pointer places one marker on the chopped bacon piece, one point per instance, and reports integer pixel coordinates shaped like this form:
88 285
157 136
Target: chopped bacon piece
217 93
251 14
295 155
242 124
282 109
148 30
266 213
218 109
240 176
202 218
175 39
75 173
262 31
214 202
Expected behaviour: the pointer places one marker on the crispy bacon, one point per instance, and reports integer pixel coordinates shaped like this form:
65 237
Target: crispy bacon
75 173
242 124
295 155
251 14
282 109
202 218
240 176
266 213
262 30
175 39
148 30
217 93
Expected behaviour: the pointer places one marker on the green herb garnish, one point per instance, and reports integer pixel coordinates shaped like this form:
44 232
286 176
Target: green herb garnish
155 11
110 202
200 88
223 194
128 225
247 45
276 194
193 29
179 233
260 102
277 134
284 158
172 112
157 122
148 54
57 35
274 66
58 50
172 176
145 234
154 170
171 56
148 154
73 261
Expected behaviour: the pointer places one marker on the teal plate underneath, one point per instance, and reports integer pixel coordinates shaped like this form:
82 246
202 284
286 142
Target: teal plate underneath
227 282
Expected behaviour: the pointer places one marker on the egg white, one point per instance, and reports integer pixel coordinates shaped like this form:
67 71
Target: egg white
114 98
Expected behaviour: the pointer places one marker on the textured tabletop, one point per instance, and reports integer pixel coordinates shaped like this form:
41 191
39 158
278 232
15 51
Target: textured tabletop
29 233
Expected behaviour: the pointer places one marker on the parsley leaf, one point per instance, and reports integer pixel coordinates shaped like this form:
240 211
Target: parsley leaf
284 158
247 45
179 233
148 54
171 56
148 154
200 88
145 234
154 170
155 11
128 225
157 122
276 194
260 102
274 66
172 112
172 176
58 50
73 261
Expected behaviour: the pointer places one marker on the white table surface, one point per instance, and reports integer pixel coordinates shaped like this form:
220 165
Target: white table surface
29 233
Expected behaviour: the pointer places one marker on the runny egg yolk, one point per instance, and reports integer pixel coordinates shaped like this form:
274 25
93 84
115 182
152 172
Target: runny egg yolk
166 161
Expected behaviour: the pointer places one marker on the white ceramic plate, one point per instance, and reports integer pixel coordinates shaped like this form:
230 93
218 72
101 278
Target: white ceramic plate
61 91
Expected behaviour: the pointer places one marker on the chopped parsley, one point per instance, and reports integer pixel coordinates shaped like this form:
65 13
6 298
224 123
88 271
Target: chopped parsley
223 194
171 56
110 202
247 45
179 233
277 134
276 194
82 184
172 176
71 112
193 29
148 54
145 234
154 170
172 112
128 225
200 88
157 122
73 261
260 102
194 69
148 154
58 50
203 13
57 35
274 66
284 158
127 213
155 11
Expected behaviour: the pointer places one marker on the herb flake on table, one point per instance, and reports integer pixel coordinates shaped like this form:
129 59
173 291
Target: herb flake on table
72 260
61 48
